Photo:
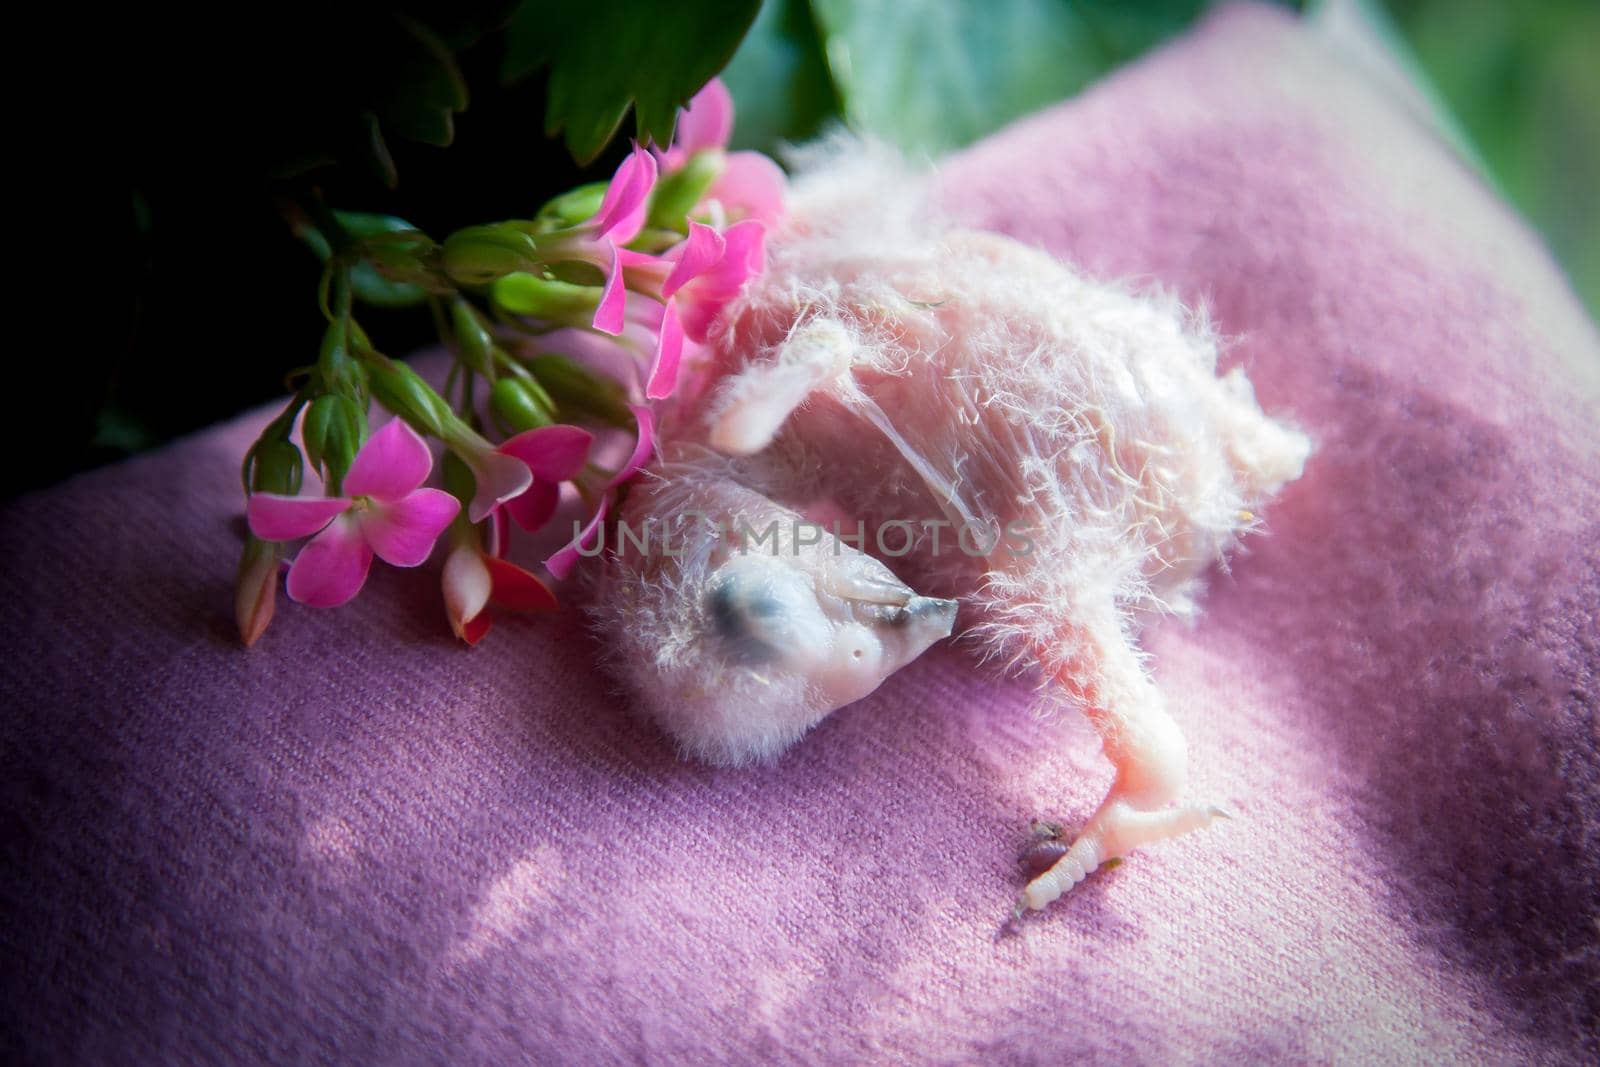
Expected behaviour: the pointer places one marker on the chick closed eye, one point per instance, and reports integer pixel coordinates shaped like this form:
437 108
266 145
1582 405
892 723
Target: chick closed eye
763 613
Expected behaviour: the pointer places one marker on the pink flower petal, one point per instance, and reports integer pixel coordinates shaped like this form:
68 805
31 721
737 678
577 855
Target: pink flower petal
275 517
631 259
751 186
394 461
562 562
622 210
499 532
256 593
643 447
707 122
552 453
701 251
403 533
499 477
669 349
613 306
533 508
517 590
595 351
643 272
466 583
331 569
697 317
703 299
745 256
474 629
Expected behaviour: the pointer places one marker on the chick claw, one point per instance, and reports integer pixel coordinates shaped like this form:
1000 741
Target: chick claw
1116 829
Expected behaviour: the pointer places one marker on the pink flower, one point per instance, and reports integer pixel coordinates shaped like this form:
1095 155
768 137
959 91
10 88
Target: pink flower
644 444
620 218
384 513
599 241
473 579
705 278
563 561
611 313
706 123
554 454
255 592
750 186
696 279
622 210
497 477
708 270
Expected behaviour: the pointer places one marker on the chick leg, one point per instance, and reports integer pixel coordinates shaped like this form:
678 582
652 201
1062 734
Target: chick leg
1097 665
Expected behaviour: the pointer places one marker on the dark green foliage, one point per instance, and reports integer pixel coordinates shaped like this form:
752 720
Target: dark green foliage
609 54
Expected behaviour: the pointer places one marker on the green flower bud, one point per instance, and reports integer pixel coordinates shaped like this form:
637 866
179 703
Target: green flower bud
473 343
390 271
402 391
578 390
547 298
382 280
333 431
341 372
274 466
572 207
384 230
677 193
518 404
478 255
255 589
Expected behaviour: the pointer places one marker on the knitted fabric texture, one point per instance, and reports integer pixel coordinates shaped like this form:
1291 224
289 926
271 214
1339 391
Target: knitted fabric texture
360 843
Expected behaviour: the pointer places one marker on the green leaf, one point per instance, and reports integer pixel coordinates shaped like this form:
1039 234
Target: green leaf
609 54
779 79
379 159
932 75
1523 81
430 87
416 88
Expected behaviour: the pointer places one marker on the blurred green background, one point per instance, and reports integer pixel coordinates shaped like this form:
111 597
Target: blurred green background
1523 80
1516 83
201 145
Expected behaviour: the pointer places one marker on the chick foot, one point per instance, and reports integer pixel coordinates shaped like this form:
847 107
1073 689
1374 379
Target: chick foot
1116 829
